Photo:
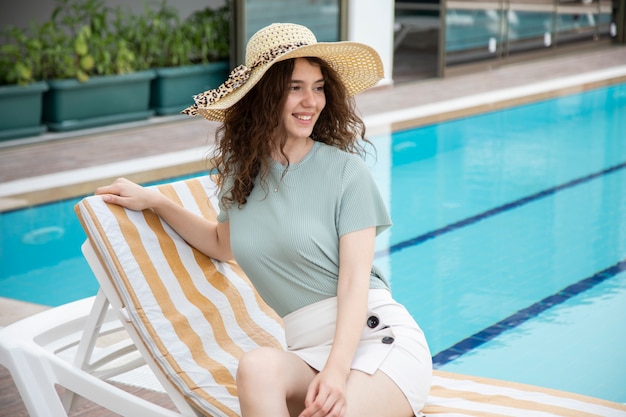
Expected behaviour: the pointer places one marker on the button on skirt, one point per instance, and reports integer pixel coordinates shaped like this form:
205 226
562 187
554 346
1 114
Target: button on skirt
391 342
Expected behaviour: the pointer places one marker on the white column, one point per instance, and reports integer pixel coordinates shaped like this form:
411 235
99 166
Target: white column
371 22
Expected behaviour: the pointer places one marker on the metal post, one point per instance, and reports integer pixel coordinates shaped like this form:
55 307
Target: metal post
441 49
343 20
237 32
620 21
504 31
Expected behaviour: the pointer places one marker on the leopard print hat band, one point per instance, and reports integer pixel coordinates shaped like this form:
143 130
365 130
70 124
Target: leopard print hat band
237 78
358 65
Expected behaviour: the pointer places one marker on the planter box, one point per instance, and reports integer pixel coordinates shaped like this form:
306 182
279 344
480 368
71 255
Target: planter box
20 110
71 105
173 88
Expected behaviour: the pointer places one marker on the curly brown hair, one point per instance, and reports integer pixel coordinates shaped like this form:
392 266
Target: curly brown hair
253 127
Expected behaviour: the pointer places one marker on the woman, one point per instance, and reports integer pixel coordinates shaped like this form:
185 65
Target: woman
299 212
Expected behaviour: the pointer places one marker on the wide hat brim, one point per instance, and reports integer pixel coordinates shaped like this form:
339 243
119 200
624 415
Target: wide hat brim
358 66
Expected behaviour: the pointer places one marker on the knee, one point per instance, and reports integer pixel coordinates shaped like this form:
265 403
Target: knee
261 364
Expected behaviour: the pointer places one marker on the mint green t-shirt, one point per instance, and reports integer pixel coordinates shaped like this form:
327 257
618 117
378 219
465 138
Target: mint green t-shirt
287 239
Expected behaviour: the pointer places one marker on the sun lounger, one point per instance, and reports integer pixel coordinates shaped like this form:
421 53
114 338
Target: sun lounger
189 318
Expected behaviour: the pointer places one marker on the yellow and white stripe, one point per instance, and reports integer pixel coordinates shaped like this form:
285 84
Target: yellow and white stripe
197 316
454 395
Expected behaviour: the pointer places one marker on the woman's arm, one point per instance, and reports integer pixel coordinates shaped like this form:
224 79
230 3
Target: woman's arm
356 254
210 238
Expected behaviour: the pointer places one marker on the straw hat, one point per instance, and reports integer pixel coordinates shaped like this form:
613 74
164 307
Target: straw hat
358 65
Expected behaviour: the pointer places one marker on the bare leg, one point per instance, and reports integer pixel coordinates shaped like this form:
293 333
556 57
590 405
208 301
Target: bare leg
374 396
271 382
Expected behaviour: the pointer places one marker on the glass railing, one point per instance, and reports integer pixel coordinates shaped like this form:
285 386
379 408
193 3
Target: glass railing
495 29
323 17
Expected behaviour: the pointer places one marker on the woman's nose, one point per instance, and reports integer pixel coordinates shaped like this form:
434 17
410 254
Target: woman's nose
309 98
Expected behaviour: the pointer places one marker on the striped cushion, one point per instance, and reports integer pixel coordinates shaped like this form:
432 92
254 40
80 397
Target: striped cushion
461 395
195 315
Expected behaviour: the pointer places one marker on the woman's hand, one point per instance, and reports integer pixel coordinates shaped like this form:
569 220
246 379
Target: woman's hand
207 236
326 396
127 194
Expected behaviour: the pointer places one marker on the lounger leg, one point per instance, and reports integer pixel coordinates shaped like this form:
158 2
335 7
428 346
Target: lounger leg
88 341
35 386
92 330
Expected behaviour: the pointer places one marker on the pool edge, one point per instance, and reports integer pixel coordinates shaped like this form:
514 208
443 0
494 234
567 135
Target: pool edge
47 188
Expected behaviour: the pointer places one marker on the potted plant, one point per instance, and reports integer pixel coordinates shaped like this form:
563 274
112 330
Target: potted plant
21 87
189 56
90 69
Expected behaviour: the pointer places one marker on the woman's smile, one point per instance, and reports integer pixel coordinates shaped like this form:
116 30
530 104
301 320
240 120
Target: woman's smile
303 117
305 100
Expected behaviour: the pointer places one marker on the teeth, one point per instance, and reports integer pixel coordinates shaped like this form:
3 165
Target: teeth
305 118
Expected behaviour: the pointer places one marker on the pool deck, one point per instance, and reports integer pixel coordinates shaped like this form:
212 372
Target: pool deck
56 166
62 165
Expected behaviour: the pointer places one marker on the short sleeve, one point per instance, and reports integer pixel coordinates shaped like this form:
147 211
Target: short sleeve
222 216
361 204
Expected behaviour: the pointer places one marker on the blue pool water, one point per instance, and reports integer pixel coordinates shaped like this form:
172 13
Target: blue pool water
508 245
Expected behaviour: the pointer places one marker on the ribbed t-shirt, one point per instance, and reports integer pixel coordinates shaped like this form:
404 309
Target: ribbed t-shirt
286 238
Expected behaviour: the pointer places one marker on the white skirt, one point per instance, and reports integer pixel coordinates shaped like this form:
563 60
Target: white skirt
391 342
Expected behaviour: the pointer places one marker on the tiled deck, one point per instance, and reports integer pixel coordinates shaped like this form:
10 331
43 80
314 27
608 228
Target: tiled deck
57 166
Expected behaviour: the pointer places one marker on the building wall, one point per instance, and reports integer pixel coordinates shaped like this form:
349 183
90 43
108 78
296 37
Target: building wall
371 22
21 12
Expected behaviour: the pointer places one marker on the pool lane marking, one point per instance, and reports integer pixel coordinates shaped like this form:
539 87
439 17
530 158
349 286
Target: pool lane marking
494 211
522 316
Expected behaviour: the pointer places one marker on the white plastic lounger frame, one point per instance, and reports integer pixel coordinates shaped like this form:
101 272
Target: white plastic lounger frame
33 352
189 318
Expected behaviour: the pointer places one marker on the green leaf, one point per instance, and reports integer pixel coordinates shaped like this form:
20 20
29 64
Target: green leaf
82 76
10 49
87 63
23 72
85 31
80 46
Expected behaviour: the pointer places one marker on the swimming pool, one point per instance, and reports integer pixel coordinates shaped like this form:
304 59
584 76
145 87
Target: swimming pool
508 245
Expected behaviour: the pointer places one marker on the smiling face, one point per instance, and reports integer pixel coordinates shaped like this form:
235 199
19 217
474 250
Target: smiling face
305 100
